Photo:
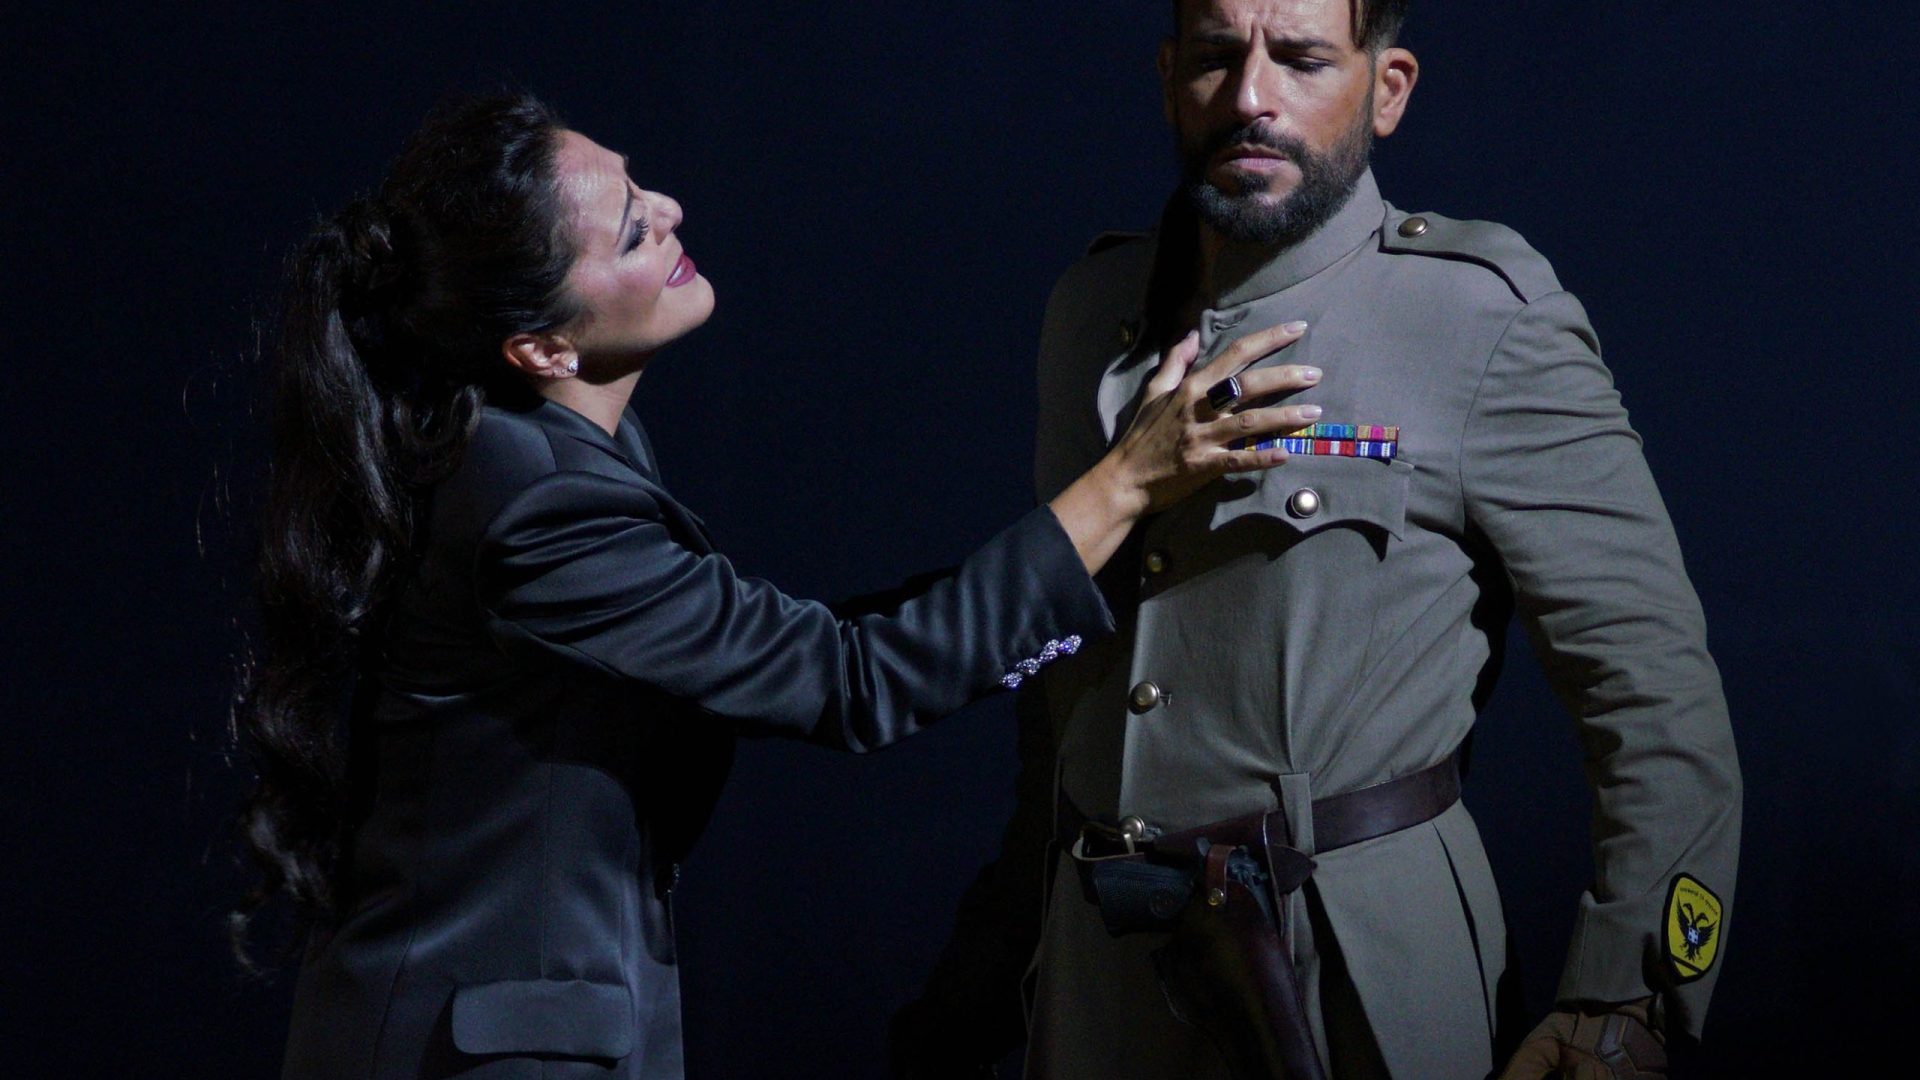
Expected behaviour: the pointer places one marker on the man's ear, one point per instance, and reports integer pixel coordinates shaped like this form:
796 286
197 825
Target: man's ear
542 356
1395 71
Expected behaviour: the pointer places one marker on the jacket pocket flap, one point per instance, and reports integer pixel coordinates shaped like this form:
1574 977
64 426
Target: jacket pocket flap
544 1016
1309 493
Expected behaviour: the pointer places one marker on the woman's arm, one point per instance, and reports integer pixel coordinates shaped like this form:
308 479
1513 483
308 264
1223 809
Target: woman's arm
579 570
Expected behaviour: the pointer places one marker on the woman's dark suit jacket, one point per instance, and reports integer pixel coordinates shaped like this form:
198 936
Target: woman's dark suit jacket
546 729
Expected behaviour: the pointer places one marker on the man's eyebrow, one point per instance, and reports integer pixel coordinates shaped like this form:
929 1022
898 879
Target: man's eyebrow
1220 36
1230 38
1300 44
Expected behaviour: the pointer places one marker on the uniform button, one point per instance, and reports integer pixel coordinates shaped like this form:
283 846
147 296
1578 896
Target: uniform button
1303 503
1132 827
1128 335
1156 562
1145 696
1413 226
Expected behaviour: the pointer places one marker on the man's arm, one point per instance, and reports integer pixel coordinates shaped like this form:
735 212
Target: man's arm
1554 477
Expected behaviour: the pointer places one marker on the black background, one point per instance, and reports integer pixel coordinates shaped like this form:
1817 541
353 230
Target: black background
882 194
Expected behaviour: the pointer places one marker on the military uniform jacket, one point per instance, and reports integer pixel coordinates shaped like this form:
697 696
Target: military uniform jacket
545 729
1336 622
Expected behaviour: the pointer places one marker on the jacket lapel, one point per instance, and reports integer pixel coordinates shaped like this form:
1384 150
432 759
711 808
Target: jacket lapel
631 448
633 436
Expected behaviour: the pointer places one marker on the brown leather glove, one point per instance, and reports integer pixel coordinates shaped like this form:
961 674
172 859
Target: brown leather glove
1600 1042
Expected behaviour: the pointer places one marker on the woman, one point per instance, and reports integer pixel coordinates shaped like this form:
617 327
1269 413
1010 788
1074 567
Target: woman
542 661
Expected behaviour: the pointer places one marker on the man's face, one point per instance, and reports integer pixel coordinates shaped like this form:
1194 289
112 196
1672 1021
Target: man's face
1273 108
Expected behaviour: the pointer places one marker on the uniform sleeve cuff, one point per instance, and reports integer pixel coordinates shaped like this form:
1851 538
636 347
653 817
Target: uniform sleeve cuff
1612 960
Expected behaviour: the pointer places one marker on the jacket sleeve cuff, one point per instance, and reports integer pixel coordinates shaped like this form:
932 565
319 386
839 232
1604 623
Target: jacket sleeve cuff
1071 608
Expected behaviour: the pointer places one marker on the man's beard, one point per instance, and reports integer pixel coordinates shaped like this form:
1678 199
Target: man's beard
1244 215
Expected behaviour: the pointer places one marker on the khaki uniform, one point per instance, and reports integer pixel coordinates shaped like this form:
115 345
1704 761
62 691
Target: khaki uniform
1337 622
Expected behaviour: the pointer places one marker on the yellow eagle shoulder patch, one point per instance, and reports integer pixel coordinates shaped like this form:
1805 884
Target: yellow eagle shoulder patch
1693 928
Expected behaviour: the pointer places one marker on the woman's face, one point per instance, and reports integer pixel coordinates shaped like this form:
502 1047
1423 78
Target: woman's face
636 286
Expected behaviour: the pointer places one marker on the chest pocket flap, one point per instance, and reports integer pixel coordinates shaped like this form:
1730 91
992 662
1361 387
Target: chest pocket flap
1310 493
544 1016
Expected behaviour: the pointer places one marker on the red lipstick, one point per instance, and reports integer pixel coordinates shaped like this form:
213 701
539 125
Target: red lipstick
683 272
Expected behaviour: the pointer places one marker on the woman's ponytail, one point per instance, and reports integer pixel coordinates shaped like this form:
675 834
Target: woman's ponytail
388 347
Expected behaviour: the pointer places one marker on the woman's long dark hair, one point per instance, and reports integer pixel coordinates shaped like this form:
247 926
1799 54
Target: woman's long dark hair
389 343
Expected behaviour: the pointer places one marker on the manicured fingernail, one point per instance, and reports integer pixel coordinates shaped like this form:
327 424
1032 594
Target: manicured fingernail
1311 374
1311 412
1294 327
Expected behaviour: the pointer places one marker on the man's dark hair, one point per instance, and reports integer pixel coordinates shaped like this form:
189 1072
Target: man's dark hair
1376 23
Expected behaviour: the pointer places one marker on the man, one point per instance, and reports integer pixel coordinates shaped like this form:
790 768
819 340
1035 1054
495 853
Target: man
1314 645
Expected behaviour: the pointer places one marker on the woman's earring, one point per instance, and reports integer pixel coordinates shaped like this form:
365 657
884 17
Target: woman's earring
573 366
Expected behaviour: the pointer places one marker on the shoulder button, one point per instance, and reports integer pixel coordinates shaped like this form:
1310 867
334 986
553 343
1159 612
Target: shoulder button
1484 243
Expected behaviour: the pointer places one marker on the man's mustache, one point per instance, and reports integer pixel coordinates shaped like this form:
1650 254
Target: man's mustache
1260 135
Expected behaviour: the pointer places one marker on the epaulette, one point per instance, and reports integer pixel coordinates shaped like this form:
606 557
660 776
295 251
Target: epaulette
1485 243
1108 240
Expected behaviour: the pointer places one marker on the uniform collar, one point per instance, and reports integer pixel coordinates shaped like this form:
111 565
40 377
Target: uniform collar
1247 272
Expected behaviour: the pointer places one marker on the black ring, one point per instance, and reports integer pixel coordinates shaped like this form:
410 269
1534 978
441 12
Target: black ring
1224 394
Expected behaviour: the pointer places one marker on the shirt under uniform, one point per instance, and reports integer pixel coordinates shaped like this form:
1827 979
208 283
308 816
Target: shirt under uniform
1304 645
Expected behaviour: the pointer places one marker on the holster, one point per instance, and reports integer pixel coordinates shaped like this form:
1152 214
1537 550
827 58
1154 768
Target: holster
1222 892
1228 969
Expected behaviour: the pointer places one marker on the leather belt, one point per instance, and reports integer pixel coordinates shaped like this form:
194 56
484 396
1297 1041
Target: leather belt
1338 820
1220 893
